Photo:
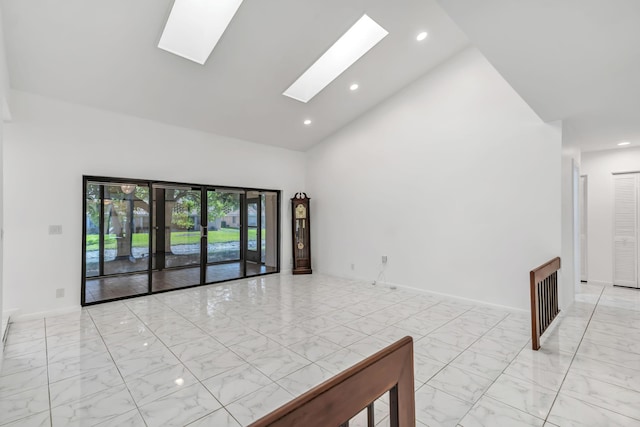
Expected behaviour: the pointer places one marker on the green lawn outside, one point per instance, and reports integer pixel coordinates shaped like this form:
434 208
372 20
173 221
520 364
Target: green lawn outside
141 240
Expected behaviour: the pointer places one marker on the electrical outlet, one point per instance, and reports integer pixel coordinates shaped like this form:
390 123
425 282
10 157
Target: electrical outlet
384 259
60 293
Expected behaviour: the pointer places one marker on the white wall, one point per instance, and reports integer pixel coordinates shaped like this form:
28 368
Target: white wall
570 222
51 144
1 235
455 179
4 105
5 86
599 166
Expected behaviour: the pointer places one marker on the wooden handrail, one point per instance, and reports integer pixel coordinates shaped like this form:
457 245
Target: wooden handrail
342 397
544 298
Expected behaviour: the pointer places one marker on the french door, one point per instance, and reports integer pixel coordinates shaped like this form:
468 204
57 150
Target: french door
116 239
179 236
224 237
142 237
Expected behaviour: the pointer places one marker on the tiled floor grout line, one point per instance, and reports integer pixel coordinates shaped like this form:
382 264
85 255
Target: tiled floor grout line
169 348
503 373
118 369
393 325
496 379
185 309
46 355
577 348
481 336
464 350
321 315
446 364
575 353
473 404
314 335
47 369
222 406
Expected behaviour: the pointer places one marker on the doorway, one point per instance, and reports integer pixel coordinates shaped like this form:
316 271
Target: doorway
178 237
143 237
626 205
261 232
224 254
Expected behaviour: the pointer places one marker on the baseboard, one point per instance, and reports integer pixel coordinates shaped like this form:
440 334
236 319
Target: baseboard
428 292
10 313
456 297
4 332
17 317
4 329
596 282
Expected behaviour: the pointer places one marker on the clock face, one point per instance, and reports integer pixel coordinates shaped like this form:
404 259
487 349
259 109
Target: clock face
301 212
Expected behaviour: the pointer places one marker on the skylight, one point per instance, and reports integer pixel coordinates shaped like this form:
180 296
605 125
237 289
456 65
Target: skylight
195 26
358 40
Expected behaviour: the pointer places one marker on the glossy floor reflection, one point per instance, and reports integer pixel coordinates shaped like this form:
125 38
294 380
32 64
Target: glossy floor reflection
113 287
225 355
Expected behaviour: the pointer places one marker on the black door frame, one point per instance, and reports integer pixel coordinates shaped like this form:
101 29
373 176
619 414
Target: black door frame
254 256
159 230
153 185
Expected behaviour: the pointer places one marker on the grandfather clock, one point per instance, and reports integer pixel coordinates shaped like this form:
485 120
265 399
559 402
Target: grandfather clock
301 234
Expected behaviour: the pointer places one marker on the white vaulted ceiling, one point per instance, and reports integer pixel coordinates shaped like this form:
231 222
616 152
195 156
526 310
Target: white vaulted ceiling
571 60
104 54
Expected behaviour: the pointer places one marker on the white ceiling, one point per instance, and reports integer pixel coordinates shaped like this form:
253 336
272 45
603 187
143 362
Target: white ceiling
576 60
103 54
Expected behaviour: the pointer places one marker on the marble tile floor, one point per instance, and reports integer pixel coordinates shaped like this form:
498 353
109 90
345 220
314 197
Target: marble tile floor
224 355
112 287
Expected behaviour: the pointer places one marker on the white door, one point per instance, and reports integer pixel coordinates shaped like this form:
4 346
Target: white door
583 227
625 230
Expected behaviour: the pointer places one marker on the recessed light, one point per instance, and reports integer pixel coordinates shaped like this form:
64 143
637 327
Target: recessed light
354 86
307 122
624 143
179 381
358 40
421 36
195 27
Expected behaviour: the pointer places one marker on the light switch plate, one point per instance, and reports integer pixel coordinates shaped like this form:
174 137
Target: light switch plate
55 229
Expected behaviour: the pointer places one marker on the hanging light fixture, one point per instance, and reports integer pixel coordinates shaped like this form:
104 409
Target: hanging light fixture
128 188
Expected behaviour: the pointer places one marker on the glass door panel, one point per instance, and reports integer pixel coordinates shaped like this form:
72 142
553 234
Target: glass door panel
265 234
253 228
178 237
126 228
93 243
269 232
117 240
224 224
263 229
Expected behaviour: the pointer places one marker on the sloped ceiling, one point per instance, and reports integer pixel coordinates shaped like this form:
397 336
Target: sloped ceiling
103 54
571 60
